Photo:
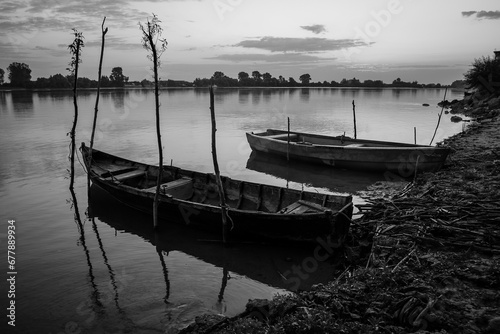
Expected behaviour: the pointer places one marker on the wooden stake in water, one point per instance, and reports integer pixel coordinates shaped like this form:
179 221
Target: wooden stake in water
96 108
354 116
415 134
75 50
288 142
439 118
150 37
216 169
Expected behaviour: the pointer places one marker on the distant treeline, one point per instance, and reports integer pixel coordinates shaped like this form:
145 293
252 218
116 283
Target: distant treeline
20 77
267 80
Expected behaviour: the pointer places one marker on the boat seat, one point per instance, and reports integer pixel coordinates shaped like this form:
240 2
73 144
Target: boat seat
302 206
355 145
126 176
181 188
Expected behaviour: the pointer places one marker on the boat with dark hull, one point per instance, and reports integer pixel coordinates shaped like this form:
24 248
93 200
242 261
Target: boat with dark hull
189 197
344 152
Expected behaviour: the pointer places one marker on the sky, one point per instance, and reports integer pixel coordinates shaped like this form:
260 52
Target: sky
429 41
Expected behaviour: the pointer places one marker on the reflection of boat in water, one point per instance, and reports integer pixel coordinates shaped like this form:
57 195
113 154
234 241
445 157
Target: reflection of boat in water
345 152
280 266
336 180
255 210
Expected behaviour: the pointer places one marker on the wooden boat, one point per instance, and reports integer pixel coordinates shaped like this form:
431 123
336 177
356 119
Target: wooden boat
190 197
344 152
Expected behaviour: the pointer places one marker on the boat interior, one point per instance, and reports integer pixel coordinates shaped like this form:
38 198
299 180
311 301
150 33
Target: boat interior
311 139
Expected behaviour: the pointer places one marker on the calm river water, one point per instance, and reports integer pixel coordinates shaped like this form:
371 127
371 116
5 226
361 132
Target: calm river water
111 273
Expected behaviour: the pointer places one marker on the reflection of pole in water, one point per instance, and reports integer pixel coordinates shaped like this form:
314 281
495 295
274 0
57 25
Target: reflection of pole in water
126 321
95 293
106 263
165 275
225 278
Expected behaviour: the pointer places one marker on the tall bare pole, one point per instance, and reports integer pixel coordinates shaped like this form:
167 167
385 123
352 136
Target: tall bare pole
354 116
150 36
288 140
216 169
96 108
75 49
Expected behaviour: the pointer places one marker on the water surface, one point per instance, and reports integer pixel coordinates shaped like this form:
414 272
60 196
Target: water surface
111 273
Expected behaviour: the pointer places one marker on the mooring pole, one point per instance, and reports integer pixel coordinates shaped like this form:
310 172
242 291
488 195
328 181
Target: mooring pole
415 134
216 169
354 116
288 142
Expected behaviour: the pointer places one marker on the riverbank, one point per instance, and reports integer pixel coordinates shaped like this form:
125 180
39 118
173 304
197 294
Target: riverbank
425 260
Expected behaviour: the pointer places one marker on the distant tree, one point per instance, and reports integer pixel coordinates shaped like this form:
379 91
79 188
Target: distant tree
41 83
105 82
200 82
218 75
117 78
458 84
305 78
397 82
19 74
267 79
482 70
245 80
85 83
292 82
2 72
58 81
257 76
243 76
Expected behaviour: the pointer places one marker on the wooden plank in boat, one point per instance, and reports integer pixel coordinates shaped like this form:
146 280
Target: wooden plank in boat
181 188
302 206
126 176
283 136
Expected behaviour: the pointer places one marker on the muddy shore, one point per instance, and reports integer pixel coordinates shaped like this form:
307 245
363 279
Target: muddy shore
426 260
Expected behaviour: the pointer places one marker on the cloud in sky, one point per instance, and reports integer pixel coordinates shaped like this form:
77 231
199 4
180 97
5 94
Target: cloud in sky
271 58
291 44
316 28
65 14
483 14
